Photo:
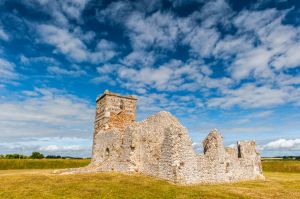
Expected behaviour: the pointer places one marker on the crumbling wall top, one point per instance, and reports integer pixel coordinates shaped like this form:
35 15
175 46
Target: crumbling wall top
212 141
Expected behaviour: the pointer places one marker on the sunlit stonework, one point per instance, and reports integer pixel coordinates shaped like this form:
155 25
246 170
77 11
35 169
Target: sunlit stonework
160 146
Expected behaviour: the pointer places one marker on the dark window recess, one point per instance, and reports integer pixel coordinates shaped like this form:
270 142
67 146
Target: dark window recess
107 151
132 148
239 151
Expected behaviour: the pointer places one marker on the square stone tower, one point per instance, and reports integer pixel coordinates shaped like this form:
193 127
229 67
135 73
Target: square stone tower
114 111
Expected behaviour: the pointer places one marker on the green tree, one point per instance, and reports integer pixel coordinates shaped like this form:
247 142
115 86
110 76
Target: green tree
36 155
12 156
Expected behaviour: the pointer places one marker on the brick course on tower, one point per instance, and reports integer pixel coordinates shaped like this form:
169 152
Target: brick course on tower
114 110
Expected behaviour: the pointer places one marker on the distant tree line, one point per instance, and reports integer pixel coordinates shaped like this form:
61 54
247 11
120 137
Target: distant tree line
286 157
291 157
35 155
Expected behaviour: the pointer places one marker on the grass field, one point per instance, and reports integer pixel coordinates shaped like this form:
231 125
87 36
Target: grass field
292 166
42 184
42 163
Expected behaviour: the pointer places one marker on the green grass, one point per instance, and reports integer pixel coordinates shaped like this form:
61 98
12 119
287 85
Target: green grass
42 184
268 164
290 166
33 183
42 163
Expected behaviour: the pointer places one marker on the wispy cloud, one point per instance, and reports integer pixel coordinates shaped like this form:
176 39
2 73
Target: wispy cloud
3 35
7 70
45 110
60 11
65 42
74 72
251 96
69 44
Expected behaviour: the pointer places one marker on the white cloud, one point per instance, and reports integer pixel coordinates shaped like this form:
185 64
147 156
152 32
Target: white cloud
72 146
106 71
3 35
47 120
75 72
139 59
148 6
44 113
164 30
72 46
285 80
255 61
178 3
170 76
290 58
250 96
64 41
232 45
73 8
214 12
105 50
258 47
60 11
158 77
103 79
282 144
7 70
202 40
118 11
275 44
260 43
262 114
255 20
157 30
115 12
173 75
38 60
176 104
108 68
62 148
104 44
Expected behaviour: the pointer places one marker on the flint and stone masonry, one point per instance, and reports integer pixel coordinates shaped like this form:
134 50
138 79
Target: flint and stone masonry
160 146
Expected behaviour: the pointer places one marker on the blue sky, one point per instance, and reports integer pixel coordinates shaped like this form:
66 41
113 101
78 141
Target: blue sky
231 65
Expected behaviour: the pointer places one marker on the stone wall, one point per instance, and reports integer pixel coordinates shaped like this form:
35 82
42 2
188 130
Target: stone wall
113 111
160 146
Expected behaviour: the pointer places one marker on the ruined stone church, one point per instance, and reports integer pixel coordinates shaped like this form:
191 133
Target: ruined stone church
160 146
